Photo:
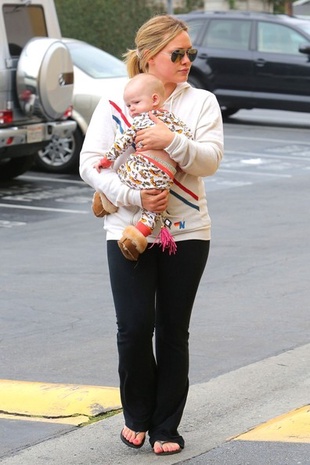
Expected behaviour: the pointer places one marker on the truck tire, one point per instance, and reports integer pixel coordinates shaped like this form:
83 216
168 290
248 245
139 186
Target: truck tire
61 155
44 78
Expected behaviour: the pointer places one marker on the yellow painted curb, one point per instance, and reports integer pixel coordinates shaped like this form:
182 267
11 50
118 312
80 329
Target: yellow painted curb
54 400
291 427
73 421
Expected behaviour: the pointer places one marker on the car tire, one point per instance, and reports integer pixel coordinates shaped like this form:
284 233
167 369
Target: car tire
12 167
61 155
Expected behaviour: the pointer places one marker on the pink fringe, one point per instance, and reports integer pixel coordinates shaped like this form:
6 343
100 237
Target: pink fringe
166 240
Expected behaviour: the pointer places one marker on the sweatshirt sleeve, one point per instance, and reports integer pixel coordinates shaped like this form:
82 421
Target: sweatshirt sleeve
121 144
98 140
201 156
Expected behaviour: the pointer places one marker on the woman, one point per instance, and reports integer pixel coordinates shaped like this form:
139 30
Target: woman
156 294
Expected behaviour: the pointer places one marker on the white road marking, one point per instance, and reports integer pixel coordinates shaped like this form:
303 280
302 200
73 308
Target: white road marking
47 209
254 173
265 139
11 224
43 178
268 156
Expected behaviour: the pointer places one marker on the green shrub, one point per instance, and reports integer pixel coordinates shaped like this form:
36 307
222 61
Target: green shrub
109 24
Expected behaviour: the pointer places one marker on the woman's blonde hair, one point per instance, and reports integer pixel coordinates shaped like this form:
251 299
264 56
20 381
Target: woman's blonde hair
150 39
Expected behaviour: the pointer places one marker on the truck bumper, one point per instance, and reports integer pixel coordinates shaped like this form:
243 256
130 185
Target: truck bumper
35 133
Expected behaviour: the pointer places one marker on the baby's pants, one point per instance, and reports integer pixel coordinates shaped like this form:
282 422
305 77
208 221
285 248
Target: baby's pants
143 172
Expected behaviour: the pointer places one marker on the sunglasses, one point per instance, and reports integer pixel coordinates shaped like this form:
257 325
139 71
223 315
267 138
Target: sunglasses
178 55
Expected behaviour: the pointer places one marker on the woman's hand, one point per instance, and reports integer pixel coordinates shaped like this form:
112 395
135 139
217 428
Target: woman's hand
154 200
156 137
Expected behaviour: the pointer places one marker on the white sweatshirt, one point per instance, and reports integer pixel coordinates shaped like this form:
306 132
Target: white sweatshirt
187 207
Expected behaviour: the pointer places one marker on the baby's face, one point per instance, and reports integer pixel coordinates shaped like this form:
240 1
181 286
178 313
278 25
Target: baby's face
138 104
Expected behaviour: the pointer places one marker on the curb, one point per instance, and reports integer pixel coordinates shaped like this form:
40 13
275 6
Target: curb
53 401
293 426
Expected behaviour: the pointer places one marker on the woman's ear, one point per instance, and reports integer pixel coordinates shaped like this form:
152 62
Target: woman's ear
147 60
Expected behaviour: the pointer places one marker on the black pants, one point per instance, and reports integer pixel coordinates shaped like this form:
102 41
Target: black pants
155 293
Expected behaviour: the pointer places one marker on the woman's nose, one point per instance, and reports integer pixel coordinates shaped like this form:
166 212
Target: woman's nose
185 59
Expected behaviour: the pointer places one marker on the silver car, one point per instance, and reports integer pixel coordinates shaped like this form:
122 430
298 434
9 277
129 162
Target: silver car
96 73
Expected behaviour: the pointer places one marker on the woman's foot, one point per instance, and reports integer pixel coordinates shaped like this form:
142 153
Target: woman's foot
166 448
132 438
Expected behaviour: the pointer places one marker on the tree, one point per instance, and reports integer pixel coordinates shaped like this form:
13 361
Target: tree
108 24
283 6
104 23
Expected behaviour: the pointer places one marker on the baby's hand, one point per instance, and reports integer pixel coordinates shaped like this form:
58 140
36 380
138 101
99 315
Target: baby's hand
103 163
97 166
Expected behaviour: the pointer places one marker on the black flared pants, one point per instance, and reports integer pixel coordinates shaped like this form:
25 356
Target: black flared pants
154 297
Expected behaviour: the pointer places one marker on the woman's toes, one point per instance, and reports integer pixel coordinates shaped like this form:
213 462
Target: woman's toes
133 437
163 447
138 438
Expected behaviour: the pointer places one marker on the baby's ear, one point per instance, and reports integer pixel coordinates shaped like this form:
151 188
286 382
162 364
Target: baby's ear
156 99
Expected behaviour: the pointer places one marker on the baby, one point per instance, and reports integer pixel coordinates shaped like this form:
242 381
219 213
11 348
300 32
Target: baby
142 170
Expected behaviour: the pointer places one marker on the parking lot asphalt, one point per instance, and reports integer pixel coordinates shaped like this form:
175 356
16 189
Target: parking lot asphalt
233 418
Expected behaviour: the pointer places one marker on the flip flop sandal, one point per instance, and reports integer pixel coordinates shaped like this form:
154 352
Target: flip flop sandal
130 444
168 452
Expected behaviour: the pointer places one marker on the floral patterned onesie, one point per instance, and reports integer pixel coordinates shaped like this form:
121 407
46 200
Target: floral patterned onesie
143 171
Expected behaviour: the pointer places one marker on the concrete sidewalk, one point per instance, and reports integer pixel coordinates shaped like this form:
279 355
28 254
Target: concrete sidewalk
216 414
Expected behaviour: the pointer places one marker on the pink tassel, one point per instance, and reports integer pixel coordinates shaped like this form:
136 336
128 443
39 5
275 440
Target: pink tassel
166 240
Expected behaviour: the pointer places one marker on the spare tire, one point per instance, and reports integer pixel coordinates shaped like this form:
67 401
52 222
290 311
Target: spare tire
45 78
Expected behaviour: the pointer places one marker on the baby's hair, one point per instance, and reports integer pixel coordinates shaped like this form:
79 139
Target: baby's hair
151 82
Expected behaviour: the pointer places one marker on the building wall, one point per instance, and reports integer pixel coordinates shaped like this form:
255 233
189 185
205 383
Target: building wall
209 5
254 5
301 8
168 3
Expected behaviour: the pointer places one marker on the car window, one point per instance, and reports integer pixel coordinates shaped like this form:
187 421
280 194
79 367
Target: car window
276 38
194 28
229 34
95 62
22 24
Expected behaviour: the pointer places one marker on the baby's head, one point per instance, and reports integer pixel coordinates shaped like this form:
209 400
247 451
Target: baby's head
144 92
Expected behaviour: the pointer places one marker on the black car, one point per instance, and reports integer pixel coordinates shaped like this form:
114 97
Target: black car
251 60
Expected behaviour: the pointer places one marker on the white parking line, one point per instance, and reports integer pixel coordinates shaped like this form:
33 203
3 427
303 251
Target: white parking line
266 139
254 173
44 178
265 155
28 207
11 224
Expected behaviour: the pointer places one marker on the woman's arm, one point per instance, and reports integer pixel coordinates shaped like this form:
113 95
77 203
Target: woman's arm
201 156
99 138
198 157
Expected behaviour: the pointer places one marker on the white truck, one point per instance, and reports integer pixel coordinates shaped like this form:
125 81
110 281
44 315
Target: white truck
36 83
